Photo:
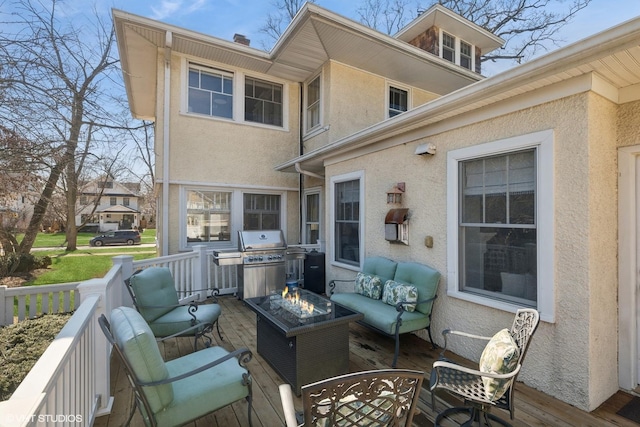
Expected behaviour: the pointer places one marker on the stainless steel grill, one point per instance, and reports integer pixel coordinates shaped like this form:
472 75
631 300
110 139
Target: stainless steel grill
262 255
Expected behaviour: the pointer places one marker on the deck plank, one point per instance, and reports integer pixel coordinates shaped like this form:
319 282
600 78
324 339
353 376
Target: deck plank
368 350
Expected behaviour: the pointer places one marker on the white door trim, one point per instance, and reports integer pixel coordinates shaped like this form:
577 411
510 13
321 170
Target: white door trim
628 216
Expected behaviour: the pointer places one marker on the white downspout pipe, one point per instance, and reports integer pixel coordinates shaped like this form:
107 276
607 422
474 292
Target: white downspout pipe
165 143
308 173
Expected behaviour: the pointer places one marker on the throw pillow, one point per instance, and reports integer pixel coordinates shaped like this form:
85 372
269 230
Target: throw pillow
500 356
368 285
395 292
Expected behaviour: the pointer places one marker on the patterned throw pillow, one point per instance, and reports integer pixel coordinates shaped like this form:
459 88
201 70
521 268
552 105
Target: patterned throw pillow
395 292
500 356
368 285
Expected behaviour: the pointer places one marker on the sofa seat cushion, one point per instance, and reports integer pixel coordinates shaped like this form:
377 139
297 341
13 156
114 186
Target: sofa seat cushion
380 315
214 388
368 285
179 319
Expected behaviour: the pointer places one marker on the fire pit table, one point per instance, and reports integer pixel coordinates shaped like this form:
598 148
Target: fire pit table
302 335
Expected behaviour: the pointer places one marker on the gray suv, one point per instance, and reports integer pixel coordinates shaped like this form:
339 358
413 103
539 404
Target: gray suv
118 237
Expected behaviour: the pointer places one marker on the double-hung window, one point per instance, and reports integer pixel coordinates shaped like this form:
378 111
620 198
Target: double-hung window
348 222
113 201
465 55
262 102
398 101
500 230
261 211
312 98
449 47
210 92
125 201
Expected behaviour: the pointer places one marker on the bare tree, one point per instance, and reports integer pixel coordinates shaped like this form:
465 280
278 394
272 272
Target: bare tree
276 22
387 16
56 83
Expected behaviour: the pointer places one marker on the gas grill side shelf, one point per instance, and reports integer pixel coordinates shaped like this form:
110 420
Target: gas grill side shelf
220 258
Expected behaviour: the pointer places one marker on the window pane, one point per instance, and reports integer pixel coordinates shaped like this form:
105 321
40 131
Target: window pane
313 103
347 227
397 101
199 101
313 207
260 102
222 106
208 216
211 82
261 212
194 78
348 243
313 91
210 93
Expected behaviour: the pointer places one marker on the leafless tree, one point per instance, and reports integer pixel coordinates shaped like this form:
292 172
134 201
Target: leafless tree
276 22
56 82
387 16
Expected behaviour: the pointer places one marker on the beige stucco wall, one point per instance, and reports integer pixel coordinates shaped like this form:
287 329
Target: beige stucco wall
207 151
573 359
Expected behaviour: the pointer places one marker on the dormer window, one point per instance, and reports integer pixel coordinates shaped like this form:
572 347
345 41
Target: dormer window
455 50
448 47
465 55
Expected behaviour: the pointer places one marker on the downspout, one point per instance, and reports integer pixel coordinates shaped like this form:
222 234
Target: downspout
165 142
300 153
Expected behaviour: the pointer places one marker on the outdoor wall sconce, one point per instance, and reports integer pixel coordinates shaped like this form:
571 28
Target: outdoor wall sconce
394 196
396 226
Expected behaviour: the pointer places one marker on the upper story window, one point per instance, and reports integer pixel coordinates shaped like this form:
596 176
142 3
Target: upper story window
449 47
398 101
262 102
312 104
125 201
502 235
210 92
107 184
465 55
84 200
113 201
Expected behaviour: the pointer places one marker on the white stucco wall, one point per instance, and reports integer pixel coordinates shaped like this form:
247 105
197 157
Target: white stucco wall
574 358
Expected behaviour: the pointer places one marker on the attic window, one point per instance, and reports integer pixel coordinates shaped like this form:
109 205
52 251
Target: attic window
465 55
448 47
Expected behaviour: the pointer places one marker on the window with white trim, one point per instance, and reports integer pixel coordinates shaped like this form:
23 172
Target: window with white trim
398 101
208 216
448 47
312 104
456 50
501 226
113 201
465 55
210 92
262 102
311 216
347 218
261 211
125 201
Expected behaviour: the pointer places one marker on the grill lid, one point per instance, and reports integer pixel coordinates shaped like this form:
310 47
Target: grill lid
254 240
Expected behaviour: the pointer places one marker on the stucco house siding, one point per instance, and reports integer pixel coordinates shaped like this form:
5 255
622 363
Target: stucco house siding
559 361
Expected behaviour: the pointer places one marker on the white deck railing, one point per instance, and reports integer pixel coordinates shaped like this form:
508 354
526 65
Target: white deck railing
70 383
27 302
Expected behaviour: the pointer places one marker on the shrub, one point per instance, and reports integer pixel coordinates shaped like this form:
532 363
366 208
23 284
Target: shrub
22 344
22 263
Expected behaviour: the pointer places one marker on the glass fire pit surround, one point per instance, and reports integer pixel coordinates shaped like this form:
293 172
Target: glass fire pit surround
302 335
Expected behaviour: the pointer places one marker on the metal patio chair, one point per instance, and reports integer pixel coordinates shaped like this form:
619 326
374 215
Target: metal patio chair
155 297
183 389
468 384
385 397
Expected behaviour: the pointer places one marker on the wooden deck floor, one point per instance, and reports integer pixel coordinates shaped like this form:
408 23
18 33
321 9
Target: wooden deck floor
368 350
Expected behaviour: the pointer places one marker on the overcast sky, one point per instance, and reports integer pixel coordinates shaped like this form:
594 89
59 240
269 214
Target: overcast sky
224 18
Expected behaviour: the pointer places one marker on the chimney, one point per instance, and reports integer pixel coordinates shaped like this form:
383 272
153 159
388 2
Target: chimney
240 38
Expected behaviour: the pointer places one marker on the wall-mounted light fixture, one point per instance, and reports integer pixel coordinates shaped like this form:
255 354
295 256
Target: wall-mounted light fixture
427 148
395 194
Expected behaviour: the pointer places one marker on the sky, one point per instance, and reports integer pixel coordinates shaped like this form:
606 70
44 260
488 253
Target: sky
224 18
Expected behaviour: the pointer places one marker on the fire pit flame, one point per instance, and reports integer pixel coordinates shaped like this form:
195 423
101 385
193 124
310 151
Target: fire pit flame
293 299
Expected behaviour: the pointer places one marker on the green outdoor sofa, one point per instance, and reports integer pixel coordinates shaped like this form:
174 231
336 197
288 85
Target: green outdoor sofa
395 297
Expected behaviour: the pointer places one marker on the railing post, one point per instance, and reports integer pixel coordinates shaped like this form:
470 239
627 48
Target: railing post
126 270
6 307
200 273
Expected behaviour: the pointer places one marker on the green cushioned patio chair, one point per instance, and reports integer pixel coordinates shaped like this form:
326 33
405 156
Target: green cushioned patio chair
155 297
386 397
181 390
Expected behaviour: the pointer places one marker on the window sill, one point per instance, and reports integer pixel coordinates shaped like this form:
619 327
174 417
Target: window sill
315 132
494 303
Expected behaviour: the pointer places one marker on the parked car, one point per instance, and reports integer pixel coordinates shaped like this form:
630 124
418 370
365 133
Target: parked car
118 237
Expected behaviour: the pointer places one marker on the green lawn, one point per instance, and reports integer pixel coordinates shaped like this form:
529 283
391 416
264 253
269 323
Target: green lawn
53 240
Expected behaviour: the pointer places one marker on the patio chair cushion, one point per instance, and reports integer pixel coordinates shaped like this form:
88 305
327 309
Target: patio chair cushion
134 337
178 319
382 267
154 287
424 278
368 285
214 388
500 356
395 292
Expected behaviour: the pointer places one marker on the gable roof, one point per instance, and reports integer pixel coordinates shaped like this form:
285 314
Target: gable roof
607 63
315 36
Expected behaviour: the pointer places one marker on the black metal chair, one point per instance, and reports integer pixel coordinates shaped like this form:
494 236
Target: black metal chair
155 297
181 390
468 383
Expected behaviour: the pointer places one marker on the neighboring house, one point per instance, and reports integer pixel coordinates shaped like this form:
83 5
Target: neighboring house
16 202
105 204
520 188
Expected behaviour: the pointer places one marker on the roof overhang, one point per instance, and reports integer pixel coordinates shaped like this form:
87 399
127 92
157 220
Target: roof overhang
609 61
441 17
315 36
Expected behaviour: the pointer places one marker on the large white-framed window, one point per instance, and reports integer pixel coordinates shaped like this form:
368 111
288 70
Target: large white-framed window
312 104
312 215
500 223
347 224
214 215
210 92
263 101
397 100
